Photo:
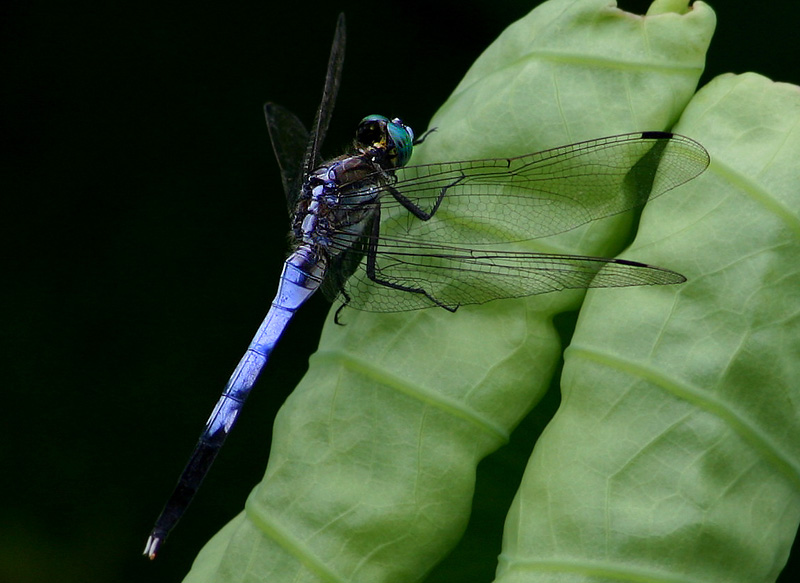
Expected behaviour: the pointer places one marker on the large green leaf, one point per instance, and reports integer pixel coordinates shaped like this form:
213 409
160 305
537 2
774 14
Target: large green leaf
676 453
373 463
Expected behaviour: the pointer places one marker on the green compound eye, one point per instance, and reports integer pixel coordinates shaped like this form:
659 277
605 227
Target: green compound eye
391 135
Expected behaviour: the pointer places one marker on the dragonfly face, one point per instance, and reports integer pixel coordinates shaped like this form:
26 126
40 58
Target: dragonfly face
392 139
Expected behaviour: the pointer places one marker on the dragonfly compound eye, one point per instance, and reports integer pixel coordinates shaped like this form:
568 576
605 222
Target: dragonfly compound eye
402 137
392 136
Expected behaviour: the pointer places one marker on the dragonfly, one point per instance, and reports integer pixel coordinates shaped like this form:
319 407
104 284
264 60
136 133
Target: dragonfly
380 235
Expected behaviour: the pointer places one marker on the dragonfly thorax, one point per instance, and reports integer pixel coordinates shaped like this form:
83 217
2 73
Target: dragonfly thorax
337 201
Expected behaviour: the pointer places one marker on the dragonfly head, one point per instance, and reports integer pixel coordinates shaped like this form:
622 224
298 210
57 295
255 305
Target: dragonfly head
390 136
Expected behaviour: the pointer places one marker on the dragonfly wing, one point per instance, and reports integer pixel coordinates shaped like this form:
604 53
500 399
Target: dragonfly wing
408 278
323 117
514 199
345 263
289 141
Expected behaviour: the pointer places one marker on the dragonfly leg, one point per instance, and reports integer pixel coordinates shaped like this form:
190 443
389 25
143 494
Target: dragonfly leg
423 137
372 270
345 301
415 210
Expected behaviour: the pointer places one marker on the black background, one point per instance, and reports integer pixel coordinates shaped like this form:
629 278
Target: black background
144 227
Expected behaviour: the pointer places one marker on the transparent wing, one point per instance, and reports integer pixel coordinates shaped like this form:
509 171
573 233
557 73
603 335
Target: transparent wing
289 142
297 151
323 117
515 199
409 277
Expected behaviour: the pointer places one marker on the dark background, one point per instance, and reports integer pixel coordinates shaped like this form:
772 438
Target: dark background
144 228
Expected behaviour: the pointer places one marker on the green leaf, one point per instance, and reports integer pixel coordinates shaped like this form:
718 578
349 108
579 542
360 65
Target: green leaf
676 453
372 469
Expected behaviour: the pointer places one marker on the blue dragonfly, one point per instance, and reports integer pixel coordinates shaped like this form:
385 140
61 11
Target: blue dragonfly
383 236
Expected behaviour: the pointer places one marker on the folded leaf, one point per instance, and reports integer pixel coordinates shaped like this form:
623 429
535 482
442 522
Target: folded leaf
675 455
